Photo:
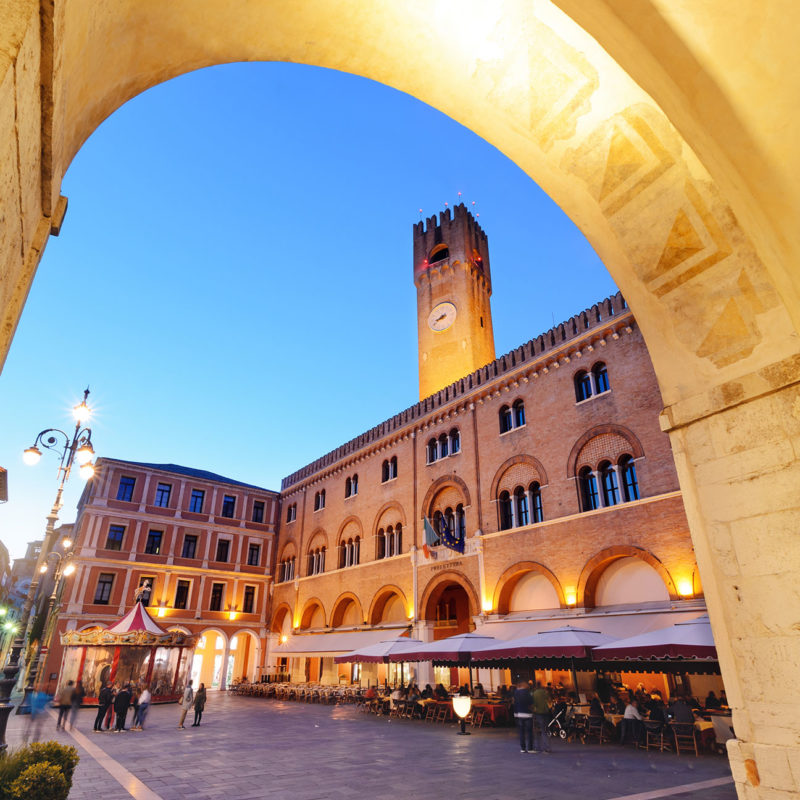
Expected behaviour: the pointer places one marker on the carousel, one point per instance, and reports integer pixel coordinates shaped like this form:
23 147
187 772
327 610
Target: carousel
134 650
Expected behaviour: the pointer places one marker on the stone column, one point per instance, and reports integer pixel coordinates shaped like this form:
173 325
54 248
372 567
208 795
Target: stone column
423 630
740 475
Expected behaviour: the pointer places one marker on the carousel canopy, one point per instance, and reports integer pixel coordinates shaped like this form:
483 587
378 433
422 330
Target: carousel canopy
137 627
137 619
564 642
686 640
380 651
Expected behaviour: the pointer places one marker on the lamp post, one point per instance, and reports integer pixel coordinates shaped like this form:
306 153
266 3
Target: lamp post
73 449
64 568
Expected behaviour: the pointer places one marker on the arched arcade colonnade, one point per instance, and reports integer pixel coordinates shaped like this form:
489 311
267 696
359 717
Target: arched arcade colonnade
644 120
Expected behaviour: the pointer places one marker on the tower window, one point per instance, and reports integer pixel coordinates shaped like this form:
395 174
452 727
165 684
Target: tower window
506 423
519 413
506 516
439 253
389 469
512 416
455 441
535 496
583 386
588 487
319 500
291 512
608 478
630 485
600 374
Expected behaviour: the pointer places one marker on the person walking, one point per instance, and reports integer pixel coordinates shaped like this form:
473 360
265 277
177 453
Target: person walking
104 701
541 718
135 703
76 701
121 703
523 713
110 712
186 702
144 703
64 703
199 705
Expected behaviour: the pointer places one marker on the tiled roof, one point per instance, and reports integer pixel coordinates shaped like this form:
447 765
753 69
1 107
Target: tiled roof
189 472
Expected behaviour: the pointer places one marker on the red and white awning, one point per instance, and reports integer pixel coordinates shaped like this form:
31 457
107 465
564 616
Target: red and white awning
137 619
686 640
564 642
379 652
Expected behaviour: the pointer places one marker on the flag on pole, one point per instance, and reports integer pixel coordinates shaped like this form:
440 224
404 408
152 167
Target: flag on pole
448 538
431 540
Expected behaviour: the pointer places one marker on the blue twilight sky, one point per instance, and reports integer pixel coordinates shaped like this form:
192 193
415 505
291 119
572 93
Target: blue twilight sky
233 279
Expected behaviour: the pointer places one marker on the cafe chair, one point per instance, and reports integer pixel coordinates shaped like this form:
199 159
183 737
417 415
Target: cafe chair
430 713
478 716
683 733
595 729
442 713
656 735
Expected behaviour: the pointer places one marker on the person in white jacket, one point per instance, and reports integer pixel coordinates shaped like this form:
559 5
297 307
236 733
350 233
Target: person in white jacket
186 703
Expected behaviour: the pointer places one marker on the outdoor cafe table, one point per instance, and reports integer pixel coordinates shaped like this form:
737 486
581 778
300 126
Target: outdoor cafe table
497 712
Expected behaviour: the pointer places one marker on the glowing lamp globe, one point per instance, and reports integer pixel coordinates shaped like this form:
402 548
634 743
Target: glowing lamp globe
87 471
32 455
81 412
462 705
69 569
84 454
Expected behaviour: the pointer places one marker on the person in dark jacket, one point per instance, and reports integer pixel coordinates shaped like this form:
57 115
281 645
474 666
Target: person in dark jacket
199 705
76 701
103 704
523 714
121 704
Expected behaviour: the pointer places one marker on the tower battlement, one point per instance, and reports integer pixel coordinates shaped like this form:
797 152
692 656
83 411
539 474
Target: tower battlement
448 237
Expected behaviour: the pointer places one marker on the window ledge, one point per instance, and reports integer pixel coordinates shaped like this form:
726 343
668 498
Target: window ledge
593 397
511 430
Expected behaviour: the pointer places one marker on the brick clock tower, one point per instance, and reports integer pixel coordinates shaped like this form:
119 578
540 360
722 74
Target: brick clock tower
454 318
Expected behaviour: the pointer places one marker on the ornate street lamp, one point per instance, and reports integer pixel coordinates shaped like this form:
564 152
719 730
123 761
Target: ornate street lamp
64 568
71 449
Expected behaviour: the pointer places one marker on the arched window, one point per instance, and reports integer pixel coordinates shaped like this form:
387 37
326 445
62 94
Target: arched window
432 451
521 506
450 518
461 522
608 478
583 386
535 501
455 442
439 255
357 550
354 484
348 487
506 420
393 467
630 485
519 413
506 518
319 500
381 543
443 445
342 562
291 513
600 373
588 485
398 539
385 471
437 525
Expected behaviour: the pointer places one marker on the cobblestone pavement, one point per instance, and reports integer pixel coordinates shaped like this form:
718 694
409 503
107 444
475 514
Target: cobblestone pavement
254 748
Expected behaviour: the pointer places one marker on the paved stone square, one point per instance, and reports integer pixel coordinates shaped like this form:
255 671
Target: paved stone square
254 748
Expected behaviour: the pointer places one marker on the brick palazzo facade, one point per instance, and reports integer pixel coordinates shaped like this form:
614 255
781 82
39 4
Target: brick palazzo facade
548 462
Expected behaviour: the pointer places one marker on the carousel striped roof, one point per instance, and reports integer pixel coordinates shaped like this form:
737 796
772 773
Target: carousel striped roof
137 619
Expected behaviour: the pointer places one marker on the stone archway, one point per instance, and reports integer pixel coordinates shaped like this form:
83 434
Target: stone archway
674 158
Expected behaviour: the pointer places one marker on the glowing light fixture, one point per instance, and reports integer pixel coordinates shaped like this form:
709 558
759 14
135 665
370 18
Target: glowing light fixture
571 598
43 569
66 543
232 615
487 606
461 705
685 588
84 454
162 611
32 455
82 412
87 471
284 638
69 569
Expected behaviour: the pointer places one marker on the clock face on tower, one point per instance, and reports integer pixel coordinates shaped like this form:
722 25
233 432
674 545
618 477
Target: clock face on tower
442 317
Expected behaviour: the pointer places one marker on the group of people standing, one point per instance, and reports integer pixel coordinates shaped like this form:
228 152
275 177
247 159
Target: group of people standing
532 714
113 703
197 701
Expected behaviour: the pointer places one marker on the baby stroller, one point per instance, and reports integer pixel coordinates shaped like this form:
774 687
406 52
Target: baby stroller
557 727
